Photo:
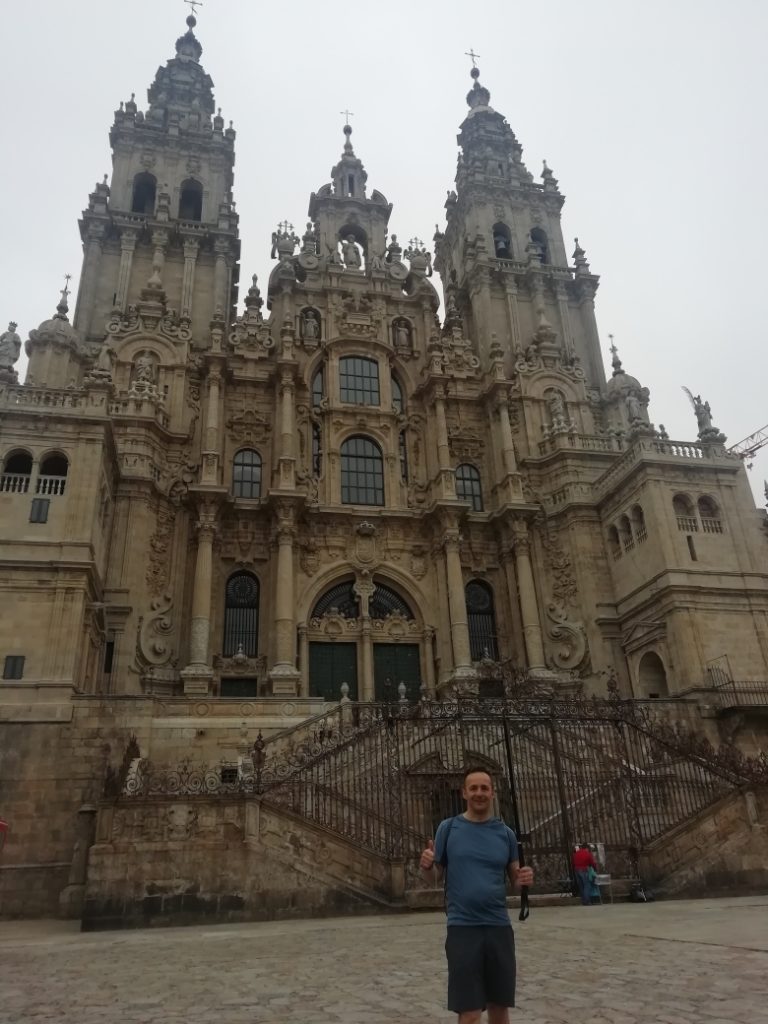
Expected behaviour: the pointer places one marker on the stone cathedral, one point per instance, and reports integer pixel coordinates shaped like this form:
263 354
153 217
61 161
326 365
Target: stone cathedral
371 477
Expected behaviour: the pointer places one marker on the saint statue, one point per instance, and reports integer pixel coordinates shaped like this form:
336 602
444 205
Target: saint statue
144 369
105 360
402 335
703 414
634 408
10 346
351 253
556 407
310 326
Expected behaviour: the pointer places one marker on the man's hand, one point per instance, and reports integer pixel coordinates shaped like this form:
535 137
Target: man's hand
428 857
523 877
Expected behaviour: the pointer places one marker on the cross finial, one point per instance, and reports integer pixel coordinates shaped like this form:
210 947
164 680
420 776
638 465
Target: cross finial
193 4
347 114
474 57
613 348
65 289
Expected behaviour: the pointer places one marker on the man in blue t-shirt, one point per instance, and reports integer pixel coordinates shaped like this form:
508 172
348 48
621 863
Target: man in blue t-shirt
476 853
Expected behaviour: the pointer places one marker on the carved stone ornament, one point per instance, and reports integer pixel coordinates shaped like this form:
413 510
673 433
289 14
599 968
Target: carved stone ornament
153 649
145 318
159 552
464 442
251 336
560 570
248 427
570 638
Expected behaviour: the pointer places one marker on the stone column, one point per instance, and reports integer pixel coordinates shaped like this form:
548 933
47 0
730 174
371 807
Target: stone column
565 319
529 608
210 471
445 472
284 676
191 249
457 605
127 248
197 675
507 443
364 590
512 313
287 421
429 661
220 276
87 293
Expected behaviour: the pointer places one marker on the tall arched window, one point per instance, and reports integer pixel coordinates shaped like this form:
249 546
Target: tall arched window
241 615
652 677
397 396
539 238
359 380
317 450
482 621
246 474
53 474
710 515
685 513
468 486
625 532
318 387
191 200
17 472
144 194
362 472
638 523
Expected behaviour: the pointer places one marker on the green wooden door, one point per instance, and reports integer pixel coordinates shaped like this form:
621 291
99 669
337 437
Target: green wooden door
239 688
330 665
393 663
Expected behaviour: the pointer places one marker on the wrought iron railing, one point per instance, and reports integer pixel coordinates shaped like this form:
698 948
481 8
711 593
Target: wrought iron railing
742 693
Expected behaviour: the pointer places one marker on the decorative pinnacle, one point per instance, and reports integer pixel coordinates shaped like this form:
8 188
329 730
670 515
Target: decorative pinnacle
615 361
192 20
474 57
63 307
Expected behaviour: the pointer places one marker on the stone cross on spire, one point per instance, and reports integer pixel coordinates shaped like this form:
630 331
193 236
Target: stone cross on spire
474 57
193 4
347 114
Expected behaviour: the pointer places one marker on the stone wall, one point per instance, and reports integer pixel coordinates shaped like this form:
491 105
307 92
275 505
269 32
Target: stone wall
721 850
162 861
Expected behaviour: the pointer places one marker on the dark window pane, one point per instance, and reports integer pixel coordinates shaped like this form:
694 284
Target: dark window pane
359 380
14 666
39 511
342 599
362 472
468 486
482 621
246 474
241 615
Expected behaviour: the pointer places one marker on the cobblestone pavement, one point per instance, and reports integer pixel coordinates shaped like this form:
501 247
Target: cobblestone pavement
702 962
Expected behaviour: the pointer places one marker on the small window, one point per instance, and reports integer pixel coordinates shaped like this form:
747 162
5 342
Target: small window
144 194
539 238
246 474
397 396
502 241
638 524
685 513
362 472
39 511
692 549
241 615
468 487
317 450
614 543
625 532
359 380
191 201
403 452
481 617
109 656
318 388
14 666
709 515
53 474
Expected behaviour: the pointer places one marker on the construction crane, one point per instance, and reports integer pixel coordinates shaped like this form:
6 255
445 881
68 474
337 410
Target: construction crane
750 446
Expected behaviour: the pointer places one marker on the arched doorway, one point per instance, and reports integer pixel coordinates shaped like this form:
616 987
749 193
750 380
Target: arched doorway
367 637
652 677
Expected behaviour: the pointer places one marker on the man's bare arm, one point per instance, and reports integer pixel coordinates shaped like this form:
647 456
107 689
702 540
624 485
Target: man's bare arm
519 876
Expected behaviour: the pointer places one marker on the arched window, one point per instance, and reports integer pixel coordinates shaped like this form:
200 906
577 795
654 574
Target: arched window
318 387
144 194
362 472
241 615
539 238
685 513
385 601
341 599
397 396
468 487
614 543
17 472
53 474
359 380
502 242
246 474
402 446
709 513
638 523
191 200
625 533
482 621
652 677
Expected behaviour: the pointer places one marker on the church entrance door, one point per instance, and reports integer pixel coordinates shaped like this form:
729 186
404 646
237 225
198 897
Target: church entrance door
393 664
330 665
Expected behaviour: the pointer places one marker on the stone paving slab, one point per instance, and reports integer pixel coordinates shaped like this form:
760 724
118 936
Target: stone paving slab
702 962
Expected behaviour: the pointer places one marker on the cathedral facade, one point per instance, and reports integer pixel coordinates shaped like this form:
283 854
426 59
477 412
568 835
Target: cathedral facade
232 515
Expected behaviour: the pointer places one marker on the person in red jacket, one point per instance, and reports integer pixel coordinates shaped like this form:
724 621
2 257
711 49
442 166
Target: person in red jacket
582 862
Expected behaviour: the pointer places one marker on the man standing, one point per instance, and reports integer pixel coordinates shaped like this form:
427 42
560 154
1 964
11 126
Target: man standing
476 852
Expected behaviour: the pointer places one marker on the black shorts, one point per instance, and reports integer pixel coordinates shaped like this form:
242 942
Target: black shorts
481 966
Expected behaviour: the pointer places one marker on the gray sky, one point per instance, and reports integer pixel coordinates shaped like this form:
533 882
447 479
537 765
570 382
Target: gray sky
651 114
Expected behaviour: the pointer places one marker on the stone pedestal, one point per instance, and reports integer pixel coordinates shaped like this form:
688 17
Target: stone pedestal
284 681
197 680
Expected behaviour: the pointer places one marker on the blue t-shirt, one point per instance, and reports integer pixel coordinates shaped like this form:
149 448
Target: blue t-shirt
475 859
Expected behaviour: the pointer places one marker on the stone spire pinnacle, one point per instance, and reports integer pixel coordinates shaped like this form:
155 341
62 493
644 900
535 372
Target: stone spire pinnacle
349 175
615 361
478 97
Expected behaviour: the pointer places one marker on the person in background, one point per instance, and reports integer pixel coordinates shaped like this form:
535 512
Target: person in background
582 862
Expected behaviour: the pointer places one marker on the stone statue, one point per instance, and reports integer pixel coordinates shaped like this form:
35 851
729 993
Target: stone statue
105 360
703 414
556 408
402 335
144 369
351 253
10 347
310 329
634 408
394 251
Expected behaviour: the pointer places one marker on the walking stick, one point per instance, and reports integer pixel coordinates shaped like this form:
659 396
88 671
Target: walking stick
524 902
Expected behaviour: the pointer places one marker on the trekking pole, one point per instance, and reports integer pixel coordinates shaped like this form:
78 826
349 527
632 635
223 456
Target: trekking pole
524 903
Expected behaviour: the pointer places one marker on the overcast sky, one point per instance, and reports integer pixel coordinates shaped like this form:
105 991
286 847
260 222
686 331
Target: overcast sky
651 114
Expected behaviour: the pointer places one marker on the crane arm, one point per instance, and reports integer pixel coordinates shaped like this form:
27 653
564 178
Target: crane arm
752 444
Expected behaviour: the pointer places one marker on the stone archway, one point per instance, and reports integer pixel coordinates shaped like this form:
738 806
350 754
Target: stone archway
652 677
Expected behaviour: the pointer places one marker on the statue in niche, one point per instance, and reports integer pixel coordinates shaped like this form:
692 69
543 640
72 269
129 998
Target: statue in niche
351 253
10 346
402 335
144 369
310 327
105 361
556 409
